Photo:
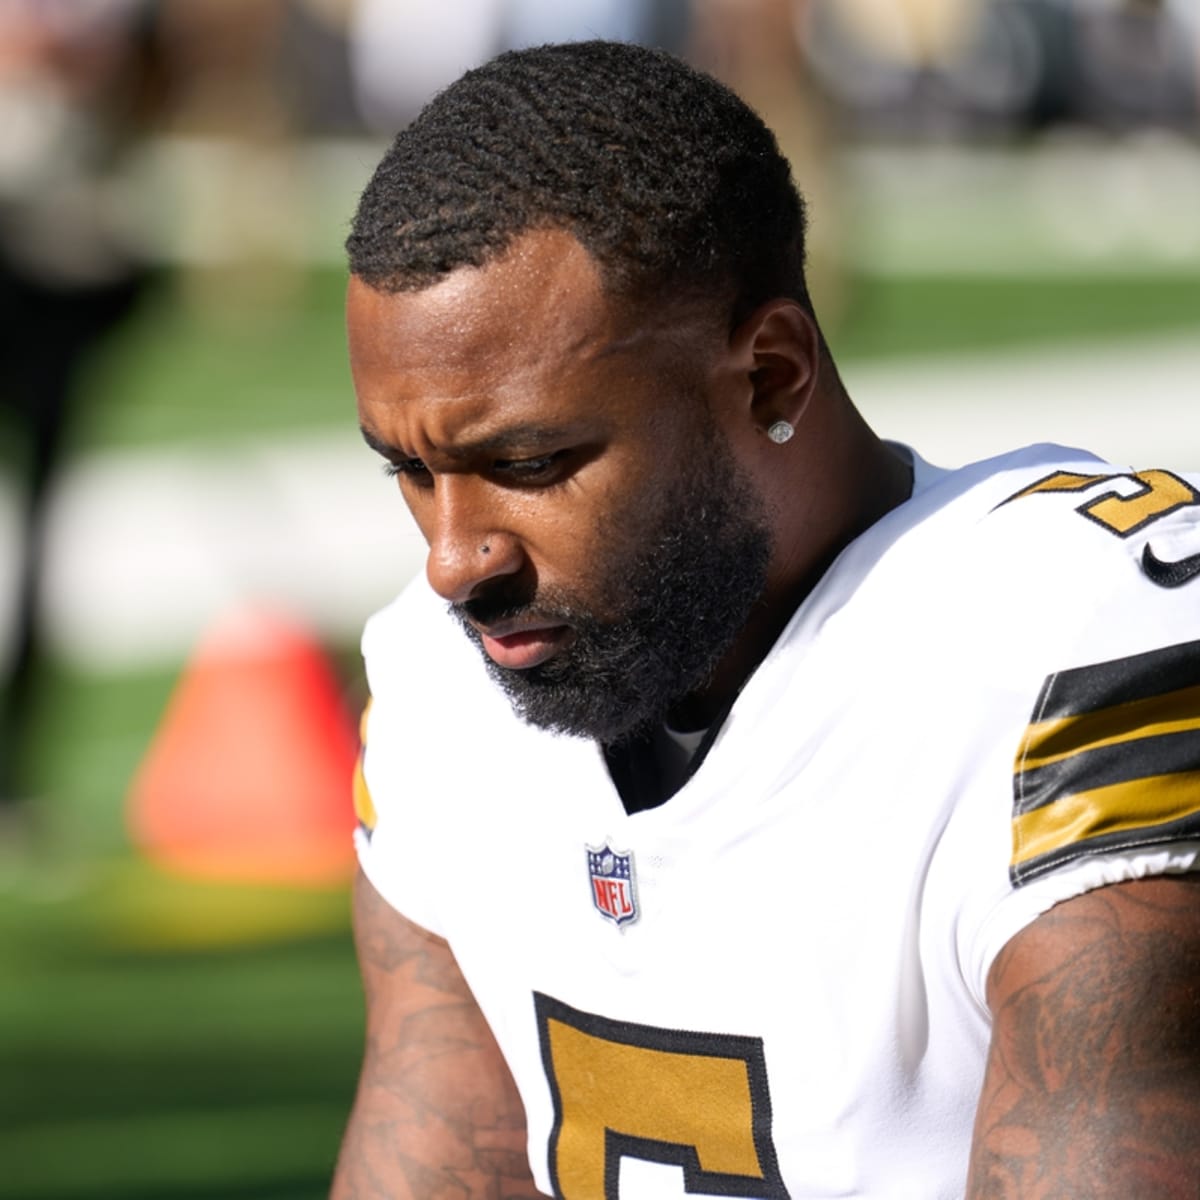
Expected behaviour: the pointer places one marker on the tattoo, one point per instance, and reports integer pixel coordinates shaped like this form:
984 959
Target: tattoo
1093 1080
386 943
437 1116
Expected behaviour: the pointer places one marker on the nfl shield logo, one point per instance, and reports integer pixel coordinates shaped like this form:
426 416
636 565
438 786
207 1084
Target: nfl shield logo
611 875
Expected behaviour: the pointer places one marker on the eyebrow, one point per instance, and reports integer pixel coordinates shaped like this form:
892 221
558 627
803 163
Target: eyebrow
379 445
530 436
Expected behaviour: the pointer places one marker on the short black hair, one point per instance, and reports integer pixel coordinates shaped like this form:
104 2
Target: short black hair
666 177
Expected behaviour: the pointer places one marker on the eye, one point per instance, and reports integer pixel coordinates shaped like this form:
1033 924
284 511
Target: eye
407 469
536 472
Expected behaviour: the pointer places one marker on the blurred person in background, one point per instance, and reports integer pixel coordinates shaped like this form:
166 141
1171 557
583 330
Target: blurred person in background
905 63
997 67
758 48
749 807
77 82
1135 66
401 54
231 154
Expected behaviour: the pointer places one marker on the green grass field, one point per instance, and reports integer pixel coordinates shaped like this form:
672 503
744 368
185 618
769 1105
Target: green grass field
135 1067
169 1039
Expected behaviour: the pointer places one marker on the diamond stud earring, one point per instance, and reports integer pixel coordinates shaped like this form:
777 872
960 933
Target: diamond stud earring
780 432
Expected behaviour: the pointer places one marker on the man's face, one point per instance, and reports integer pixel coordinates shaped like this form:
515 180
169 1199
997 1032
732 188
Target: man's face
585 518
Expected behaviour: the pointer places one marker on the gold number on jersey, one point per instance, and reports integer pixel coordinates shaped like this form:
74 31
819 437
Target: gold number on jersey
1157 494
695 1100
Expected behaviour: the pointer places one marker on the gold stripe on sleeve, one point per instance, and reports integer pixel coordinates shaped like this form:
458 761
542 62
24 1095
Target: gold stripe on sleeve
1052 741
1139 805
364 806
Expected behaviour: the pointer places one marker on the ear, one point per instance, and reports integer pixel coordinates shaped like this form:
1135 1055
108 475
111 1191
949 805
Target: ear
777 347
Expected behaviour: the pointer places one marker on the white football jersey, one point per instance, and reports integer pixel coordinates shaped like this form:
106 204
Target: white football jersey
774 983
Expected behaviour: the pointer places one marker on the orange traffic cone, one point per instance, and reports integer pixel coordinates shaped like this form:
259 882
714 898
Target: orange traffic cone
249 775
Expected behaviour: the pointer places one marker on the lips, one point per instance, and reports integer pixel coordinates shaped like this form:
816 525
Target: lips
521 649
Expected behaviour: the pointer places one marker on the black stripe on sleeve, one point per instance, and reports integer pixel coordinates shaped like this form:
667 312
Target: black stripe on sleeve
1139 677
1124 762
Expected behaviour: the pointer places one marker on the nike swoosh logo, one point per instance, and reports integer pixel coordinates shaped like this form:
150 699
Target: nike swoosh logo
1169 574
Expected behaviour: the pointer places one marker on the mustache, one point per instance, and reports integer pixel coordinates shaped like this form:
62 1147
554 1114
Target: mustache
505 604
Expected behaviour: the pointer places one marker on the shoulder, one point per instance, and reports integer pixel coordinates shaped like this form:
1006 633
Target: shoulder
995 575
416 624
1076 559
1101 578
419 661
1084 598
1109 510
1102 565
433 721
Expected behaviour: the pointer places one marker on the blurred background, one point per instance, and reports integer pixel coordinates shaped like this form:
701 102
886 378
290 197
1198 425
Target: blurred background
1005 248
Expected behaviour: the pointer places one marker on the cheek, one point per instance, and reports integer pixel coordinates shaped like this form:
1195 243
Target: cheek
565 545
636 521
583 543
421 512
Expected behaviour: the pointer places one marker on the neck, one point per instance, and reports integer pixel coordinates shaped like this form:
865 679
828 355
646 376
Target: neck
869 481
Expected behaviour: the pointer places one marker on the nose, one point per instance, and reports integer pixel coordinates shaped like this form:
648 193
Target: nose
466 550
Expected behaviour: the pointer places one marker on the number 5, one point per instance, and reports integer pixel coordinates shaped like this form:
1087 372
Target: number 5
696 1100
1157 494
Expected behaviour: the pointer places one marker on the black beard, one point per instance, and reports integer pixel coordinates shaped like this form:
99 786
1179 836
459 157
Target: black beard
684 599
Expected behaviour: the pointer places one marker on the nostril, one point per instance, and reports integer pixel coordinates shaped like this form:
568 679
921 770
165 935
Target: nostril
458 565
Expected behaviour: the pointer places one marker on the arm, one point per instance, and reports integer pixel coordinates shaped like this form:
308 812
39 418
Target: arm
437 1116
1093 1078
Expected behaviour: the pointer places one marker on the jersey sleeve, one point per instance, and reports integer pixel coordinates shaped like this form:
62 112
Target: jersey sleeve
1109 762
388 835
399 838
1105 773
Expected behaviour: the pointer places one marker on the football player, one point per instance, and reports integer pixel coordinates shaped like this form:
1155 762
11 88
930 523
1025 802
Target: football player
748 807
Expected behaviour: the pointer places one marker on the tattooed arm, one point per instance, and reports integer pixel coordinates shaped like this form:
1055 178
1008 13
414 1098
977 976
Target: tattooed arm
1093 1079
437 1116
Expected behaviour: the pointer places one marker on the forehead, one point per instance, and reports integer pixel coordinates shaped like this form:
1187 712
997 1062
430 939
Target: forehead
544 292
531 329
